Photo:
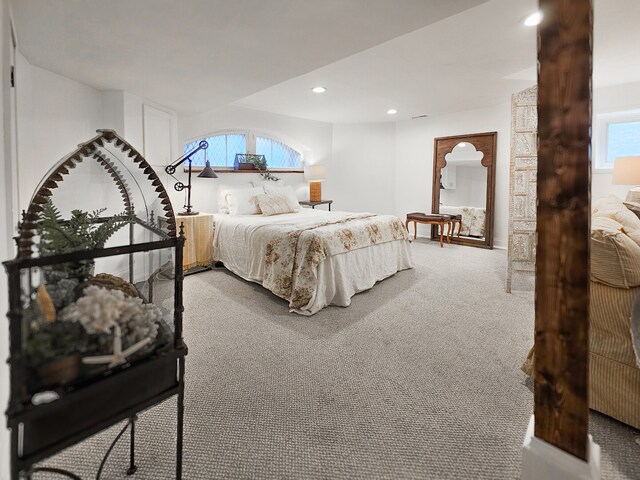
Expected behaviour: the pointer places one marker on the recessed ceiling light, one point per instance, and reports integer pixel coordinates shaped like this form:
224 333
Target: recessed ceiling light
392 111
533 19
318 89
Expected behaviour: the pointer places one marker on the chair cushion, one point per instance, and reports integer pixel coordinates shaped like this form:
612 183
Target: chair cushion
612 207
428 217
615 257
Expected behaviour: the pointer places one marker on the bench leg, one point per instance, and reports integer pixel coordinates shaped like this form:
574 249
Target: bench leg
415 229
441 233
449 232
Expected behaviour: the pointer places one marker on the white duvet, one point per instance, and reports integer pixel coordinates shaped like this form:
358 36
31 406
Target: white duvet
239 244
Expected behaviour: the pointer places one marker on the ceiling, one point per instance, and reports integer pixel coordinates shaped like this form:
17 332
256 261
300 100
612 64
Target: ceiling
474 59
195 55
421 57
459 63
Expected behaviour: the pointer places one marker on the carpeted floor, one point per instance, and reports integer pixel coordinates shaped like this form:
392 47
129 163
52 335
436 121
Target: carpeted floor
418 378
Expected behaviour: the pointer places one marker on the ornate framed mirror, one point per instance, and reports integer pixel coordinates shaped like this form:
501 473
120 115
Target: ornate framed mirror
464 173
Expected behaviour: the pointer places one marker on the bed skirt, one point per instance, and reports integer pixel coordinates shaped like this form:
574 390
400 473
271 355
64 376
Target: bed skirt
341 276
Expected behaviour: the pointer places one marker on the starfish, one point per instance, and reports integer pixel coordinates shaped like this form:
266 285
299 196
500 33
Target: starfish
119 356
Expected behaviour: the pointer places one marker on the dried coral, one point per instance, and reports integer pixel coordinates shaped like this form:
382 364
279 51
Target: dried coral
99 309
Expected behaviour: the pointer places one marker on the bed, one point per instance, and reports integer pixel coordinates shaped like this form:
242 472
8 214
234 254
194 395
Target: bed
312 258
473 219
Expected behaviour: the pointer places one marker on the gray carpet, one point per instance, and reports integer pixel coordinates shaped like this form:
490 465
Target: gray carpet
418 378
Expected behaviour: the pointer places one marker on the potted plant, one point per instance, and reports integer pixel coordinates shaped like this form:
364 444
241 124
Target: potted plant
248 161
83 231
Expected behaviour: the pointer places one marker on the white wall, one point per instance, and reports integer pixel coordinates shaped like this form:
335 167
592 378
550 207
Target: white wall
55 114
414 144
470 186
303 135
606 100
360 176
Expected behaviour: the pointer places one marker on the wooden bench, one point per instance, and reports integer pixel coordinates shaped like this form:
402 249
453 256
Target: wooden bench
430 219
455 219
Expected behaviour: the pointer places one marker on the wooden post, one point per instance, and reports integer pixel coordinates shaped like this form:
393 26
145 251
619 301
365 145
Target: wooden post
562 266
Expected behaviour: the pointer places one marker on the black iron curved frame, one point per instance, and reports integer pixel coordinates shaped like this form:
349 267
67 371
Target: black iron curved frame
66 473
40 431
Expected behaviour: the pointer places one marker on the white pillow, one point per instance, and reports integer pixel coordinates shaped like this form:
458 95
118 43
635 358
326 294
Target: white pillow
285 191
239 200
223 206
270 204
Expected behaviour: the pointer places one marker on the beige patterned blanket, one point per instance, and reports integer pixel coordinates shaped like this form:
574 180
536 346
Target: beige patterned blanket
294 252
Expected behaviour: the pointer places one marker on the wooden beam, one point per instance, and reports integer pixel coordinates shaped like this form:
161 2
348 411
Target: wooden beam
563 225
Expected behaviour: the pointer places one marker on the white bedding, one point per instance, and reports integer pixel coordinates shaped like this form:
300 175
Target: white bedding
473 219
239 244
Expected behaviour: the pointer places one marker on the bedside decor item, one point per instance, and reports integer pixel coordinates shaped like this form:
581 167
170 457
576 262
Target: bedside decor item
250 161
626 171
129 332
315 174
207 172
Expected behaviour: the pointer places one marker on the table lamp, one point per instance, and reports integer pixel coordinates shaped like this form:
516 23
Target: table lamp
314 174
626 171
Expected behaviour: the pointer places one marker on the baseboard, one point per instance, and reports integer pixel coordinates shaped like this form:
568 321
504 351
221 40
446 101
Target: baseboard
499 244
543 460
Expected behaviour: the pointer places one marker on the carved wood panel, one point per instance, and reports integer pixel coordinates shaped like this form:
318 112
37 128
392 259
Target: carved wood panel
522 190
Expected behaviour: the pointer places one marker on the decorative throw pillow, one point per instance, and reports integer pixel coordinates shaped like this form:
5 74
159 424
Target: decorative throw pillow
287 191
634 207
270 204
239 200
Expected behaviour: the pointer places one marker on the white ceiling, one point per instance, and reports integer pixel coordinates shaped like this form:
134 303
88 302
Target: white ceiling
195 55
459 63
418 56
474 59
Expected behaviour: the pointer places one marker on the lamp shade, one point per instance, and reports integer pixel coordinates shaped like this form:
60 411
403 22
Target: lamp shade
314 173
626 171
207 171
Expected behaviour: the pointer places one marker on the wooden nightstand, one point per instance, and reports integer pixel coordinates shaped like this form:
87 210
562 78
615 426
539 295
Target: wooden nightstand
198 247
314 204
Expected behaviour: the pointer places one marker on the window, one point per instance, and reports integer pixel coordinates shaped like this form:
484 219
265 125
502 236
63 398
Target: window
278 154
221 151
224 146
617 135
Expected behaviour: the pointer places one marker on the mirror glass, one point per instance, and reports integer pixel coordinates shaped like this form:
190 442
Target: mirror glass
463 190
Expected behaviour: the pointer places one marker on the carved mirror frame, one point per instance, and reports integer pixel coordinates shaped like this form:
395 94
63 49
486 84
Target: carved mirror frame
485 143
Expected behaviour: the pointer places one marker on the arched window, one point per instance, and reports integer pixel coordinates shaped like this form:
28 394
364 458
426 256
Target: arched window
224 146
278 154
221 152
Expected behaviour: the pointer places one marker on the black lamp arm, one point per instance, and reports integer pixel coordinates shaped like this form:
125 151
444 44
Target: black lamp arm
171 169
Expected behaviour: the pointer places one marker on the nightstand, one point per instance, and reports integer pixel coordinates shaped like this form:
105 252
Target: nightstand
314 204
198 247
